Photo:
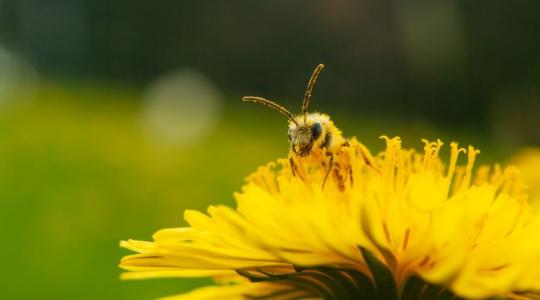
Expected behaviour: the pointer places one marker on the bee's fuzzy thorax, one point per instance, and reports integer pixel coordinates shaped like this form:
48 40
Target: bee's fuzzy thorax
303 139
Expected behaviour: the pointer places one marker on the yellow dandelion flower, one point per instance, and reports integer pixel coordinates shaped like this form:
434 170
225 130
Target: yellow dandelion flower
399 225
528 163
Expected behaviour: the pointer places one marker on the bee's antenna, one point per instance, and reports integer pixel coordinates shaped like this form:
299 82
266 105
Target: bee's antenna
270 104
309 88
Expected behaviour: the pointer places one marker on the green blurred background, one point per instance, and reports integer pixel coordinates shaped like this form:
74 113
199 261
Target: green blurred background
115 116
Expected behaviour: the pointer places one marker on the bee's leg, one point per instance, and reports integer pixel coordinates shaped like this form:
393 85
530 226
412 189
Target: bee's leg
294 169
350 173
330 166
367 157
338 178
349 166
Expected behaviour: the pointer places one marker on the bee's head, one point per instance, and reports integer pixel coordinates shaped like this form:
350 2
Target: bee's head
304 134
306 129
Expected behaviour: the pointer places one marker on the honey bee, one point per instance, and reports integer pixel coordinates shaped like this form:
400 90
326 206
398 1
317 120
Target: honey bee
308 131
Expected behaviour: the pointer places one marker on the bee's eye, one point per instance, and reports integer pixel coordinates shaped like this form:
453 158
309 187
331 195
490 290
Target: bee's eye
316 130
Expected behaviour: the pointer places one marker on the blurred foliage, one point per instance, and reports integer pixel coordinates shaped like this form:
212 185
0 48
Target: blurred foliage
79 176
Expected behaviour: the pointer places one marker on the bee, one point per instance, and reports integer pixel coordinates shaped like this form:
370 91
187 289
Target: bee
309 130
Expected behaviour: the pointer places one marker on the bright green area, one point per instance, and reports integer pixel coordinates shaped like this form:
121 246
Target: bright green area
78 174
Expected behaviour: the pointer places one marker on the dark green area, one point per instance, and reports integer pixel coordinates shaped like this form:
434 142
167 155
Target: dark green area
460 64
